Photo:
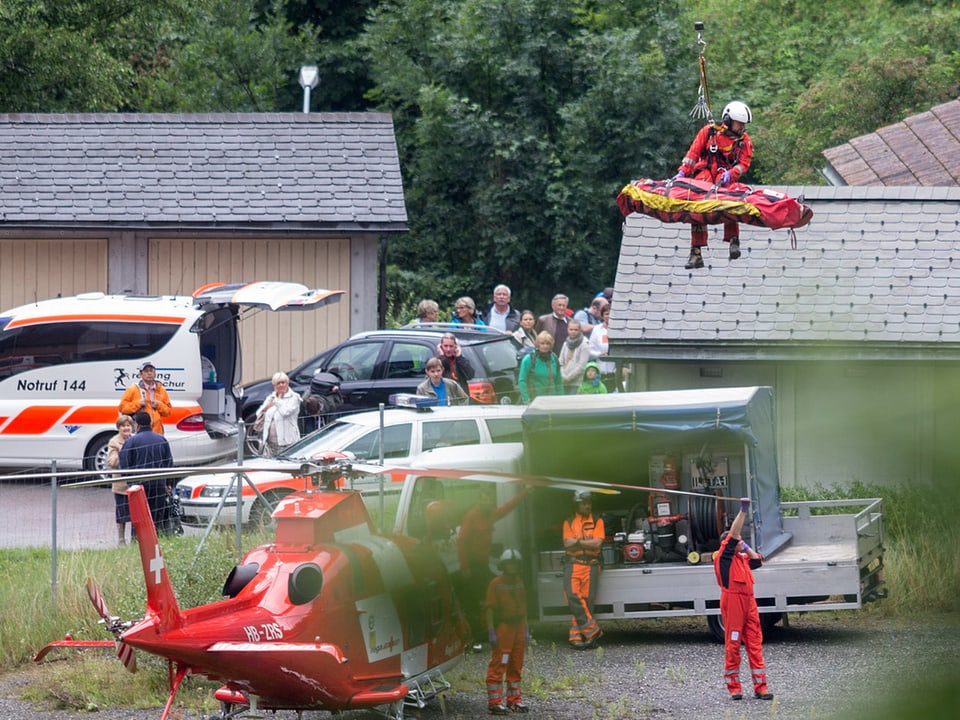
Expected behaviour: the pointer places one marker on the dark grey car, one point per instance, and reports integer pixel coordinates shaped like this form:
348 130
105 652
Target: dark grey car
376 364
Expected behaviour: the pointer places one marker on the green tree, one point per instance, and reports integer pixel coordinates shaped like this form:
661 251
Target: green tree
344 71
80 56
518 122
233 57
818 72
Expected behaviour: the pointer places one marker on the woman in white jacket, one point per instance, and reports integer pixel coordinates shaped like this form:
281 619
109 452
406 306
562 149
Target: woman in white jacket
278 417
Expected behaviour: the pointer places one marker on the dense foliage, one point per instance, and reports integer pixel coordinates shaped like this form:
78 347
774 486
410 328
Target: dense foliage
517 120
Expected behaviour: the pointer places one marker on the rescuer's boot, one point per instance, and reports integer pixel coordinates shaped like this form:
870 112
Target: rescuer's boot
734 248
695 260
498 710
736 696
763 695
518 707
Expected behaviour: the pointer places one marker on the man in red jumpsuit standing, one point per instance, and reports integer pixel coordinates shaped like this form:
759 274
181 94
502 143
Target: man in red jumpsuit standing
506 615
583 536
719 154
734 564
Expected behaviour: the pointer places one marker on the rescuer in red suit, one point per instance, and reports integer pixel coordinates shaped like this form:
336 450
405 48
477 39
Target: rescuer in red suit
719 154
734 564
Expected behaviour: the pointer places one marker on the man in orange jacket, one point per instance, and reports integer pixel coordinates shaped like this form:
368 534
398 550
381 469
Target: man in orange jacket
719 154
734 564
583 537
147 395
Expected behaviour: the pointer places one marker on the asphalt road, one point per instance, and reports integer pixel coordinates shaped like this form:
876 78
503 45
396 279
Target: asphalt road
84 516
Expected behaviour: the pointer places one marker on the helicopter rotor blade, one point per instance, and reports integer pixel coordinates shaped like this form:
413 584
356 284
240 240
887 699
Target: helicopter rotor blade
124 652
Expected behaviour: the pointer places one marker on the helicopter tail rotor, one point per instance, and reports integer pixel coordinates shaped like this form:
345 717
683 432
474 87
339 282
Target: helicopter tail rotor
124 652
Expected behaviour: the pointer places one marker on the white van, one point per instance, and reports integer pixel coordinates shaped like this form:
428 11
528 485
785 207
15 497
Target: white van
65 363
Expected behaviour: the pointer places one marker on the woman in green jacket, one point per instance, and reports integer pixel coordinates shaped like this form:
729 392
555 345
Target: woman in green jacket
540 371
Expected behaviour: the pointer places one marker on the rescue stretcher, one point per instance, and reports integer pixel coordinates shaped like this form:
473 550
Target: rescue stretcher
701 203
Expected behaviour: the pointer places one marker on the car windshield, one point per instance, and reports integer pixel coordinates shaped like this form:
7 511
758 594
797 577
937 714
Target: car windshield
498 357
336 434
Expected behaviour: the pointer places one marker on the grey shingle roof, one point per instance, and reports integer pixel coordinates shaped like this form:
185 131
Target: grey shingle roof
316 170
875 274
923 149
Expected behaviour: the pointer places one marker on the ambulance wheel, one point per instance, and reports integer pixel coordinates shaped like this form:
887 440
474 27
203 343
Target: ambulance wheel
95 456
715 623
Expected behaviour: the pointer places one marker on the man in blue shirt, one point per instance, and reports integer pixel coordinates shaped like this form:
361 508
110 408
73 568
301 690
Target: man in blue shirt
446 391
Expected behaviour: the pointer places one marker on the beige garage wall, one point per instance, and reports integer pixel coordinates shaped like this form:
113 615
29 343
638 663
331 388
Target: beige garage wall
269 341
32 269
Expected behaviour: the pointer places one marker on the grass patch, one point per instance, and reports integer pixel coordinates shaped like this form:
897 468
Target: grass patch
921 565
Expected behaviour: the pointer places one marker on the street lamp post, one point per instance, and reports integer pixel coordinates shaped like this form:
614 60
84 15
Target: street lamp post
309 79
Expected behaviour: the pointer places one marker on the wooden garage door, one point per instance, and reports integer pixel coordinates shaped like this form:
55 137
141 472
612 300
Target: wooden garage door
33 270
270 341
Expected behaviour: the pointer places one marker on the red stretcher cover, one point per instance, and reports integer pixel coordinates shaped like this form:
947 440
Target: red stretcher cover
701 203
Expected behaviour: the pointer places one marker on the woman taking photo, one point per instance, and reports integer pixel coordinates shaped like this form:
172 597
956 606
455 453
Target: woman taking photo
277 417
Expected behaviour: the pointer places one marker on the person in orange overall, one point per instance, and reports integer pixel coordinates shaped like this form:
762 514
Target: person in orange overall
474 542
719 154
583 537
506 612
147 395
734 564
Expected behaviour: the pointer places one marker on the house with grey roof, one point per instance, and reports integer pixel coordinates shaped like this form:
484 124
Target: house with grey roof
922 149
857 328
163 204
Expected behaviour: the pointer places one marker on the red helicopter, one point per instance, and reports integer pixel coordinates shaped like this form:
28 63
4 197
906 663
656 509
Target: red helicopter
329 616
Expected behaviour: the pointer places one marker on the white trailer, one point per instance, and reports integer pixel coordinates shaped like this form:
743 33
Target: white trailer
819 555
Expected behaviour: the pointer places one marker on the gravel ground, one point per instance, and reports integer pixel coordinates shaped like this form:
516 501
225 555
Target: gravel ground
824 665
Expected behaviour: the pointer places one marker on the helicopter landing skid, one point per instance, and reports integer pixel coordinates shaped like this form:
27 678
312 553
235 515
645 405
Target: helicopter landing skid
425 688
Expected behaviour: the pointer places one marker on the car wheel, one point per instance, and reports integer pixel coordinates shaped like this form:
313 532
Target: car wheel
253 441
260 513
95 456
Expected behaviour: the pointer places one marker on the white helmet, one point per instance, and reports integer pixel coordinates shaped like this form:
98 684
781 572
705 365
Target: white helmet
737 110
508 555
582 496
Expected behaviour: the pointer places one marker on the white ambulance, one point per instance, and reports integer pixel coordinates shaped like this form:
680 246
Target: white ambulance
65 363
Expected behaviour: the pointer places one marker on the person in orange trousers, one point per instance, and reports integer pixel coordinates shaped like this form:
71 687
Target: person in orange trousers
734 564
506 613
583 537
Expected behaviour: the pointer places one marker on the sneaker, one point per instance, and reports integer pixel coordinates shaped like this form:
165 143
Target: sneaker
736 696
497 710
518 707
695 260
763 696
476 648
734 248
